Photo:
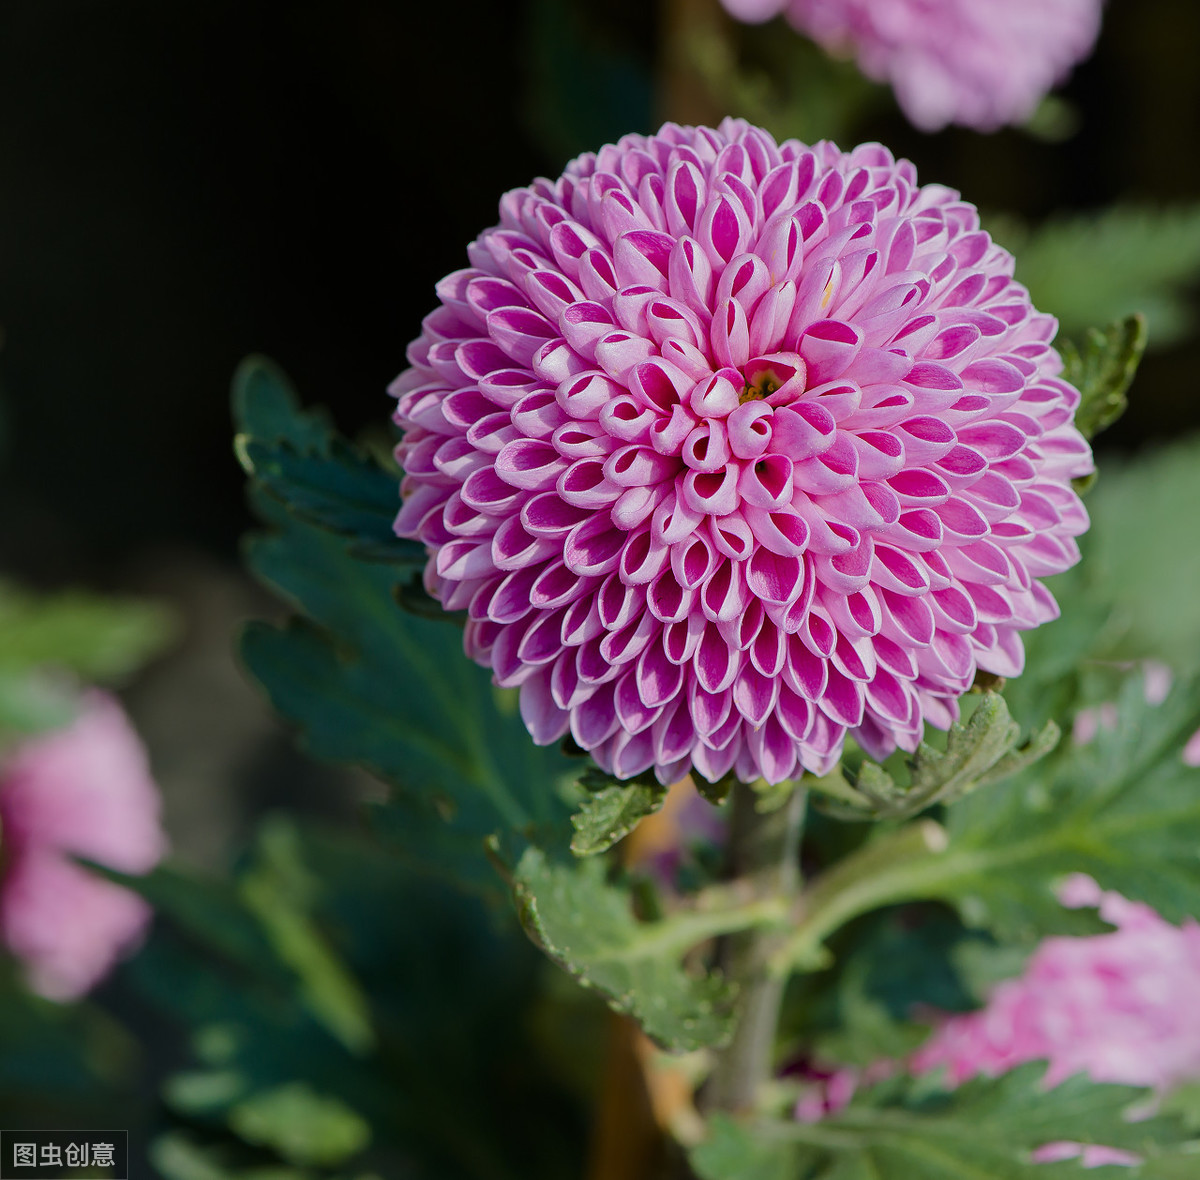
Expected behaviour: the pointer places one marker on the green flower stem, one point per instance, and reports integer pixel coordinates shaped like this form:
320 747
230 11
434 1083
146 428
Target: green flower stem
906 864
681 932
764 852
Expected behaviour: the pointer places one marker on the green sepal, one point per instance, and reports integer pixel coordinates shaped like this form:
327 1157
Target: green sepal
1102 370
982 750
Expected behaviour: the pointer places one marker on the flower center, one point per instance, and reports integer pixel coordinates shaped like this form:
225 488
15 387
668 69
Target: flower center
765 376
765 384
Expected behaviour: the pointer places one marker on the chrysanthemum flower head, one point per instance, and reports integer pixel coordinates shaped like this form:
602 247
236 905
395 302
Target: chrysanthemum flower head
730 449
82 791
975 62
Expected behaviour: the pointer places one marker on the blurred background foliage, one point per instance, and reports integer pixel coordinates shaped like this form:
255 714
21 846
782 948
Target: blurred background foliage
182 185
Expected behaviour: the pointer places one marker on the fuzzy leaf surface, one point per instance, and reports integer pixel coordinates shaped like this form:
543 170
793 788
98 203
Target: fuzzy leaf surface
588 927
611 813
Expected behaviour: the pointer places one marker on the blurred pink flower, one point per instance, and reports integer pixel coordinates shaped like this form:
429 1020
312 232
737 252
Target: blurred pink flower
730 449
982 63
1119 1007
82 791
1090 1155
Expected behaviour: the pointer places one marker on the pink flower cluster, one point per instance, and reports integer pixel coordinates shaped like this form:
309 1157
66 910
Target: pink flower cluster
82 791
1119 1007
732 448
982 63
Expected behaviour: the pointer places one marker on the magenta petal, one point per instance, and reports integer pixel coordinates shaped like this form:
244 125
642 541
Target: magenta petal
715 663
766 430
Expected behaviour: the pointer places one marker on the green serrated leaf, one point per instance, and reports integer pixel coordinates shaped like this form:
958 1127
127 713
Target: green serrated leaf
1102 370
368 683
296 456
588 927
266 408
1124 808
341 489
610 814
972 750
987 1129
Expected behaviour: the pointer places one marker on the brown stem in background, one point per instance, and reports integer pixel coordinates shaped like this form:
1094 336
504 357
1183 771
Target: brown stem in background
627 1143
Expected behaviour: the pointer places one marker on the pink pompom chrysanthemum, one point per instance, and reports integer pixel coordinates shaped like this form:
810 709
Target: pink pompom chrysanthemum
730 449
975 62
82 791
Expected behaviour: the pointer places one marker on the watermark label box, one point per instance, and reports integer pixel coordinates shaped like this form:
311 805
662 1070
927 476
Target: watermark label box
64 1155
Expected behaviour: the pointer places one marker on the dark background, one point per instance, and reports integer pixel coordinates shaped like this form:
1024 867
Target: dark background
183 184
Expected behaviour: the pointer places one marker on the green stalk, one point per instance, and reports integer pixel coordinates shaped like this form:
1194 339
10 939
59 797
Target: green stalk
906 864
764 852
